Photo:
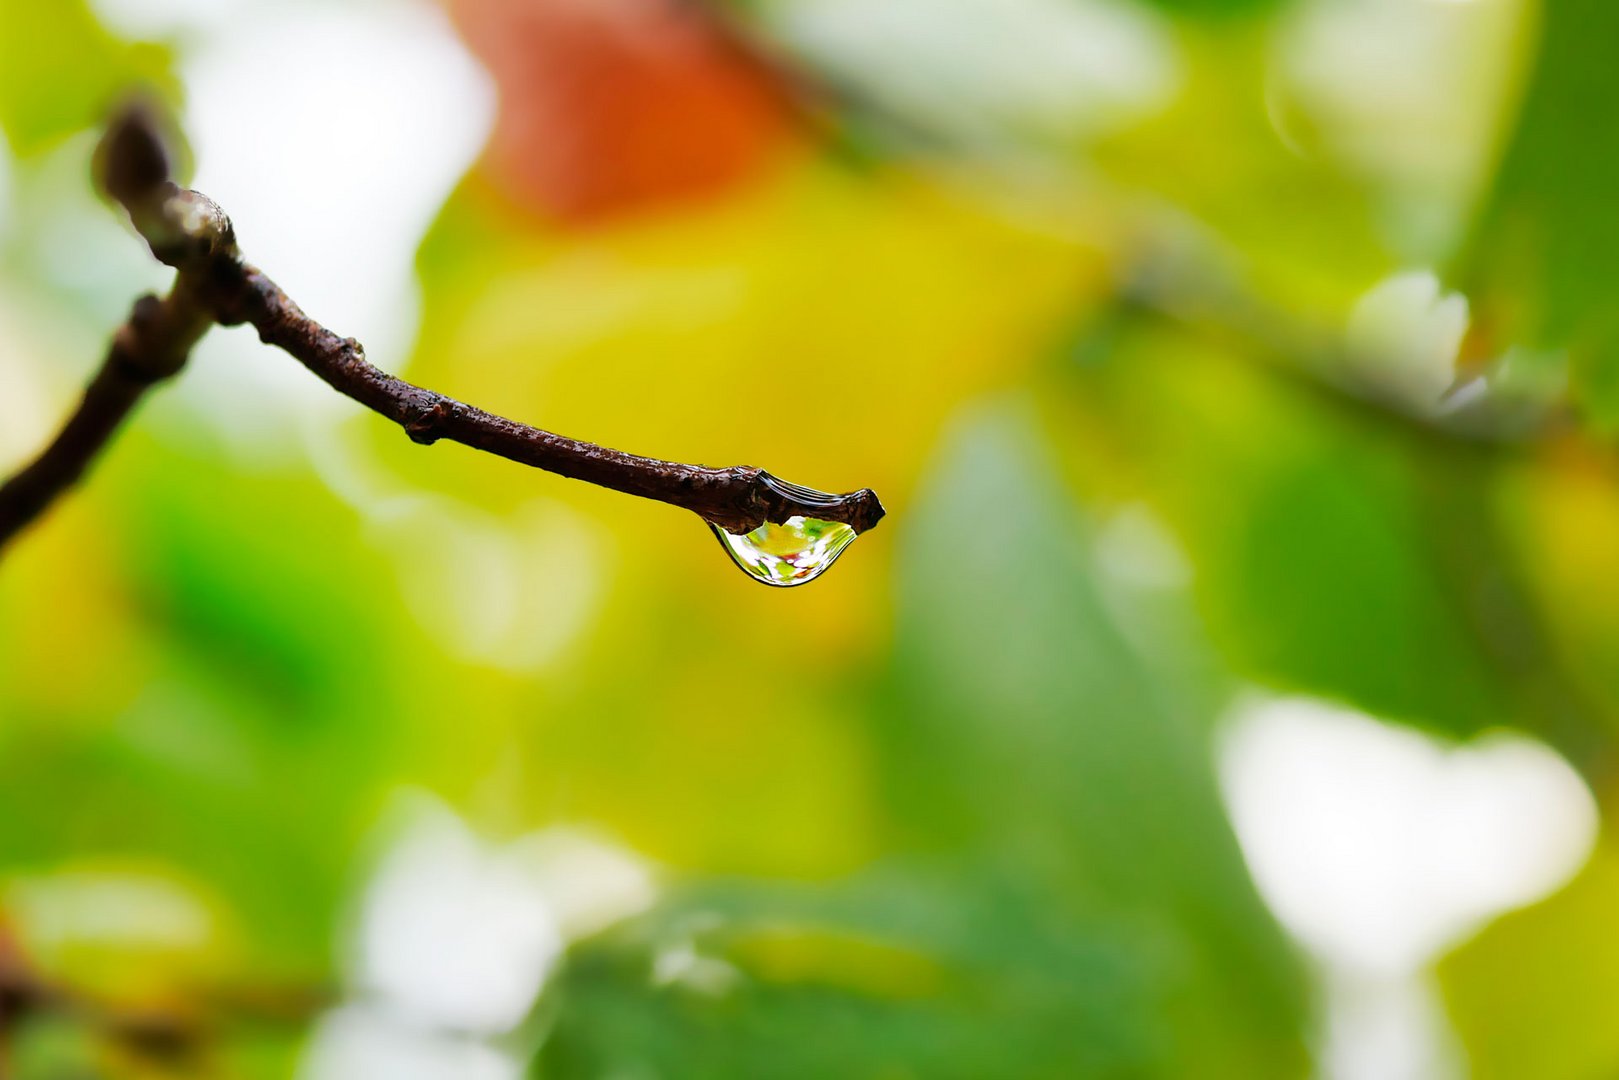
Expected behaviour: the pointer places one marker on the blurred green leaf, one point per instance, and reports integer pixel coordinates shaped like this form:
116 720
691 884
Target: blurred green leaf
1546 247
250 749
903 973
60 71
1030 729
1340 549
1087 908
1533 994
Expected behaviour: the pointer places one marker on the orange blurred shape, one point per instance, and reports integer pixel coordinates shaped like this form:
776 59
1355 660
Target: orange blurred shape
615 105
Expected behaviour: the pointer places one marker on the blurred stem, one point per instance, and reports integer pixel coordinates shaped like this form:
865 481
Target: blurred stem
1474 570
188 231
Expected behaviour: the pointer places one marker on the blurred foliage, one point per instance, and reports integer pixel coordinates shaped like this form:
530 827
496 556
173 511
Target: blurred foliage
1530 996
1048 890
1217 8
952 810
60 71
1546 238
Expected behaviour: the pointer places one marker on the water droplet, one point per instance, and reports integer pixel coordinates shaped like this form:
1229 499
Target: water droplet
791 553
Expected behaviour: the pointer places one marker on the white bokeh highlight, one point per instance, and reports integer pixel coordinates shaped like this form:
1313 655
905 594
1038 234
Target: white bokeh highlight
111 907
453 939
359 1043
29 407
148 20
454 932
679 963
1387 1028
1018 72
1408 93
1380 848
332 135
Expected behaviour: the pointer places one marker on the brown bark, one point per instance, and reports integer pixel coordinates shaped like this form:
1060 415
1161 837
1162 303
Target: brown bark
213 283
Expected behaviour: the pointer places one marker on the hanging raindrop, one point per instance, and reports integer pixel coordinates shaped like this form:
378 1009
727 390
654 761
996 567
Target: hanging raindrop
801 547
791 553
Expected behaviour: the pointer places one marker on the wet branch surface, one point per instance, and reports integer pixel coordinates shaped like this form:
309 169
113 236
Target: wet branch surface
214 284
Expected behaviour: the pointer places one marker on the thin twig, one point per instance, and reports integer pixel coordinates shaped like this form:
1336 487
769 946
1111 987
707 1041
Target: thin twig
150 347
188 231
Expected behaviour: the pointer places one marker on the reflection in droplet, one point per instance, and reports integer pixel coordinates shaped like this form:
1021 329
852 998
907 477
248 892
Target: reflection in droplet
791 553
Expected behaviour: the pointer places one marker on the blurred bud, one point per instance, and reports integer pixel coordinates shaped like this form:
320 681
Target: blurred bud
132 157
1404 335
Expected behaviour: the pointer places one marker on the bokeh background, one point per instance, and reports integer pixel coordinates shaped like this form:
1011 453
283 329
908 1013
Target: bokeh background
1231 692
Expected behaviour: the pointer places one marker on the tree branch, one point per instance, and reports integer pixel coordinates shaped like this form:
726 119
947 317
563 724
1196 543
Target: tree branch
150 347
188 231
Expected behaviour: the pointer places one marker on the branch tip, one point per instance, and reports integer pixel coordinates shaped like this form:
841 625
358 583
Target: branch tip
133 157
